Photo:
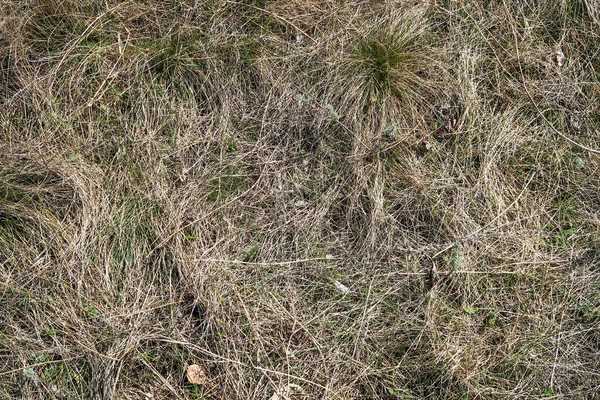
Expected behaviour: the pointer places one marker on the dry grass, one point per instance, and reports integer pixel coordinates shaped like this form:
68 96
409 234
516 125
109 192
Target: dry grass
308 199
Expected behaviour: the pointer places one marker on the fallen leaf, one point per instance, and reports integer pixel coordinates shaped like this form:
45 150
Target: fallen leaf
197 374
343 289
433 277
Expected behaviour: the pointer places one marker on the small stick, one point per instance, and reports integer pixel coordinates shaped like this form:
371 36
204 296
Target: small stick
38 365
266 264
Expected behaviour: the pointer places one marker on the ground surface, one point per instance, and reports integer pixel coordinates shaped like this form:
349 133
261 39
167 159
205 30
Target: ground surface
305 199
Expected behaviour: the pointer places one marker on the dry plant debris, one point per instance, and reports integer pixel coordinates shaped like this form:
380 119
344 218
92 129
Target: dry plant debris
197 375
362 199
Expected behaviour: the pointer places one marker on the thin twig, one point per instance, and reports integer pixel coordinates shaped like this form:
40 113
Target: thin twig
12 371
147 310
96 352
266 264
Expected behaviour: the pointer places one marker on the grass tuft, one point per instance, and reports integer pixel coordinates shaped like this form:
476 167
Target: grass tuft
390 62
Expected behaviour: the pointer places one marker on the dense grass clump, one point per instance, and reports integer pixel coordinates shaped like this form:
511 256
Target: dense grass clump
300 199
390 61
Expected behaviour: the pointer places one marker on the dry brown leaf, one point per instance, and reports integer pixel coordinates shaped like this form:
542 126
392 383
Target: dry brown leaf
197 374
